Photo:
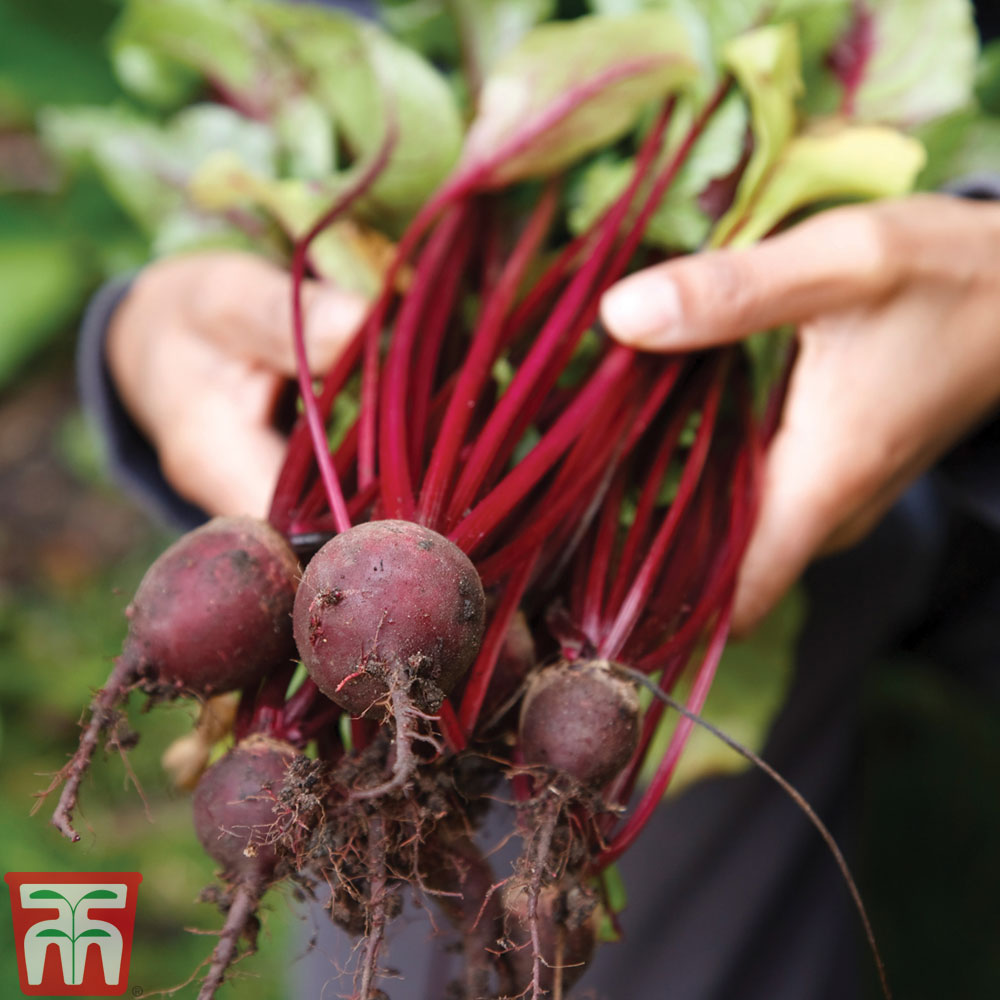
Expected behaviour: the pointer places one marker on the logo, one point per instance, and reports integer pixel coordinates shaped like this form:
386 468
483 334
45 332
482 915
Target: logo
73 931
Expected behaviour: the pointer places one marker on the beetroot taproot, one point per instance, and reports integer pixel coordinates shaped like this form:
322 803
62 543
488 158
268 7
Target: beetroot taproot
388 604
552 935
234 807
581 719
213 612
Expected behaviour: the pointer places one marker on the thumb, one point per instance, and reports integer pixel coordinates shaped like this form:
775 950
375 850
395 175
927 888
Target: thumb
705 299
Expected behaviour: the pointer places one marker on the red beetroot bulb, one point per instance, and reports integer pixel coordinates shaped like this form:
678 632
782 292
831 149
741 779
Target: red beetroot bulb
213 612
388 603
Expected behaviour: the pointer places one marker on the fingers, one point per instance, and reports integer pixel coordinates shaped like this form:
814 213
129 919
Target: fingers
222 462
244 303
720 296
791 525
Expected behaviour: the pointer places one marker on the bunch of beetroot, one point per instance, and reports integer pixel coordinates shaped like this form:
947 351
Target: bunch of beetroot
519 509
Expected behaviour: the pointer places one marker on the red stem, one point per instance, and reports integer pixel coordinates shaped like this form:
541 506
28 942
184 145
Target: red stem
314 420
525 392
516 485
479 360
587 466
601 557
654 792
482 670
451 728
645 579
432 340
638 534
394 463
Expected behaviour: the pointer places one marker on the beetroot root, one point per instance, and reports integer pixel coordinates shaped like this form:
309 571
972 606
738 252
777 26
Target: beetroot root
234 807
552 946
388 605
581 719
235 822
213 612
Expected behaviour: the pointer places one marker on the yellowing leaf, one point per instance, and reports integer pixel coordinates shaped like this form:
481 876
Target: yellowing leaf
864 161
766 64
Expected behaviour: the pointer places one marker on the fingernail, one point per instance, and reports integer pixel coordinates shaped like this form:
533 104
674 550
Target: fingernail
643 310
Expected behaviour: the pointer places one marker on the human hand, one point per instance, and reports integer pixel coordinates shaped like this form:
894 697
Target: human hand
898 313
200 350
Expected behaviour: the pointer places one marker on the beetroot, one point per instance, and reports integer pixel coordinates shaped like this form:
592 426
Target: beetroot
581 719
388 604
235 822
213 613
551 949
234 807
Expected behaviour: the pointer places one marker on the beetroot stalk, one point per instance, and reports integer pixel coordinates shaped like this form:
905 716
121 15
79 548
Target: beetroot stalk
482 670
654 791
314 420
562 327
590 459
604 385
394 465
432 340
645 580
481 355
601 557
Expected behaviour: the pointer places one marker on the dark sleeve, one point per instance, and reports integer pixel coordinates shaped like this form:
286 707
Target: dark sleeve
131 459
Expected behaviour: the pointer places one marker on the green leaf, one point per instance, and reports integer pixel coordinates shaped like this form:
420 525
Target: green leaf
616 899
52 932
712 24
47 894
679 222
363 77
426 26
212 38
224 183
988 78
304 67
569 88
94 932
151 76
430 127
959 145
768 352
41 284
491 28
923 64
147 168
849 162
100 894
766 65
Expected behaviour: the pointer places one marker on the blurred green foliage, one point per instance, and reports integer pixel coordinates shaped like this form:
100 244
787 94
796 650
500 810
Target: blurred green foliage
56 644
59 236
